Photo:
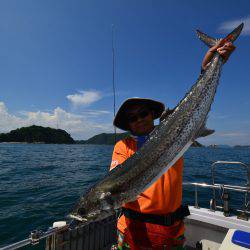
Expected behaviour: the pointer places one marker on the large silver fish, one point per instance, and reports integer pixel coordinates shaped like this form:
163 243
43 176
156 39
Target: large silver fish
166 144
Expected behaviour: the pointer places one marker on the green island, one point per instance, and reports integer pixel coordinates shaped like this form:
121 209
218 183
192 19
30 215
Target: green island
104 139
241 146
37 134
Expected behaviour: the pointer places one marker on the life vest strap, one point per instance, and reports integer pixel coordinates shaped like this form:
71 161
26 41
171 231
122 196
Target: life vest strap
166 220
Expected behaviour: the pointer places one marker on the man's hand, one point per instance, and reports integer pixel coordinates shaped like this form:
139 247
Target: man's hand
224 48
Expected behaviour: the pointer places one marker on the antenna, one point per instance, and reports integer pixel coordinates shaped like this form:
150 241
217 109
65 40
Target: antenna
113 75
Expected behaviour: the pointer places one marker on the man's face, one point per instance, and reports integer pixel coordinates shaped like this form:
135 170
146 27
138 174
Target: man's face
140 119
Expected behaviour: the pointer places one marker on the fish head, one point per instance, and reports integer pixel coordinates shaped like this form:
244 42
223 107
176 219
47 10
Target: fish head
95 206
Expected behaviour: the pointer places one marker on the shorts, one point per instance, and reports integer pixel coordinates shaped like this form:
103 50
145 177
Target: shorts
173 244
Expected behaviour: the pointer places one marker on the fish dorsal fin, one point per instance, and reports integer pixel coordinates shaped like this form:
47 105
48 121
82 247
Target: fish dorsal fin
203 132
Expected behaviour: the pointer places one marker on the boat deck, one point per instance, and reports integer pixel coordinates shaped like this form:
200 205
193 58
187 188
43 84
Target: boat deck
201 225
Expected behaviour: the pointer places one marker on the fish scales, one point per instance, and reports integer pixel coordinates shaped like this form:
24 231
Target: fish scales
165 145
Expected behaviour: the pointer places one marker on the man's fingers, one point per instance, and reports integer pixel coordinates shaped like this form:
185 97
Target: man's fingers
229 47
228 44
224 44
222 52
216 46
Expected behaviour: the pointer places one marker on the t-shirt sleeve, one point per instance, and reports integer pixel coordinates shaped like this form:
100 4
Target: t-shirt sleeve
119 154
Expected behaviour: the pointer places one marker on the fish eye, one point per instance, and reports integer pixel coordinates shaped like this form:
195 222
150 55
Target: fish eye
81 211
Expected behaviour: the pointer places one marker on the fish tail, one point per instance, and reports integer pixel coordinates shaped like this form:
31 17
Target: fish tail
210 41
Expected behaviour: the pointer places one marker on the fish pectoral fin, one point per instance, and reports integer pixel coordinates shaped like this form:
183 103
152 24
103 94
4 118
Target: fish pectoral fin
203 132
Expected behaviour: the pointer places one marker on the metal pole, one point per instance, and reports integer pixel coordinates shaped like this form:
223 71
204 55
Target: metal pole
196 197
113 74
35 237
218 186
17 245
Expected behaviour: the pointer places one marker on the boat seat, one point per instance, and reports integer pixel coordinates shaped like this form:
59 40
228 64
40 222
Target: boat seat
210 245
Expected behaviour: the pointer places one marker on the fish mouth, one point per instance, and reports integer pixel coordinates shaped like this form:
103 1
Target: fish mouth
78 218
86 218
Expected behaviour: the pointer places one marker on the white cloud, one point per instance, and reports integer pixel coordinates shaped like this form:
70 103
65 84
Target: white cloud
219 116
79 126
232 134
8 121
95 112
84 97
230 25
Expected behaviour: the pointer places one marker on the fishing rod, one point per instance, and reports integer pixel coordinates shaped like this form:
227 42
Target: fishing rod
113 78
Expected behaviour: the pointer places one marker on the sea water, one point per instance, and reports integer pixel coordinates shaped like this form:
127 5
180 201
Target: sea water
40 183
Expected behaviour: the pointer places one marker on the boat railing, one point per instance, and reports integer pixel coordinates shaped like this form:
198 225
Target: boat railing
35 237
94 235
225 188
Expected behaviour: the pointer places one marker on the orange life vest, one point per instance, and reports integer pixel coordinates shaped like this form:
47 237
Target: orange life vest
162 197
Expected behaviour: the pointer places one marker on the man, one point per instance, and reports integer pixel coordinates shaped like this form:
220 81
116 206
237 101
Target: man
161 202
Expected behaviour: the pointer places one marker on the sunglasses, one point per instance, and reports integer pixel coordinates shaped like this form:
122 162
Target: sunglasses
134 118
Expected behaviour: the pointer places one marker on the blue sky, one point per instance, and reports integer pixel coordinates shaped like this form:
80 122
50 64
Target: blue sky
56 62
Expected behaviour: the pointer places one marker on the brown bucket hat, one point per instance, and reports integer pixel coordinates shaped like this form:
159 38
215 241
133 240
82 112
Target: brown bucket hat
120 120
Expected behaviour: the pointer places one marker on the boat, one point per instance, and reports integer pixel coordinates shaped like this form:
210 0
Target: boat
215 227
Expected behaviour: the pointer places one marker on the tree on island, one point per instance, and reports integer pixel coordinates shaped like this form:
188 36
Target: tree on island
37 134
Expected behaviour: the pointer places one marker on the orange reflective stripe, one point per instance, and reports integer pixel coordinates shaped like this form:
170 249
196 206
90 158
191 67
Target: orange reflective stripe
122 151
